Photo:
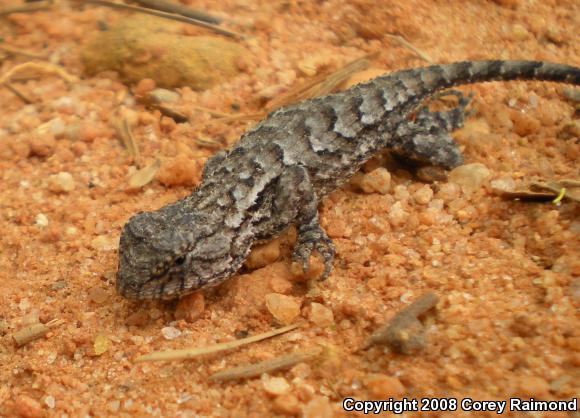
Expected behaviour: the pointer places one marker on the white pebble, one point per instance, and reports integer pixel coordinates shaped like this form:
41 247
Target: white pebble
170 333
49 401
41 220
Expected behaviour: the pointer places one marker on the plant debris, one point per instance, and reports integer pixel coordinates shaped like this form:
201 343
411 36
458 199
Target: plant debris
165 15
126 137
144 176
545 191
189 353
34 331
321 84
253 370
405 333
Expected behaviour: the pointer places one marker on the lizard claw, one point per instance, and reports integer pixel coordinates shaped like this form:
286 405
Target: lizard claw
314 239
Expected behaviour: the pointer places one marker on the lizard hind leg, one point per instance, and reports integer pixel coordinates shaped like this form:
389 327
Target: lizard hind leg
427 137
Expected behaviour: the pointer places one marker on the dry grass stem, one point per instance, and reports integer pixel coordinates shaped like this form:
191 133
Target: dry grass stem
189 353
179 9
34 331
166 15
267 366
421 54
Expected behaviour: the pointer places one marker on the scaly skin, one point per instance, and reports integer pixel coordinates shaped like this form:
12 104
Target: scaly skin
278 172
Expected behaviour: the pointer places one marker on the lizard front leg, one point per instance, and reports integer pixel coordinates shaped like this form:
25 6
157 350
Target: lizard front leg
311 236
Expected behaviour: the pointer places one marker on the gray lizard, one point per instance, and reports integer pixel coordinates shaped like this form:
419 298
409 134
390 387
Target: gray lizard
278 172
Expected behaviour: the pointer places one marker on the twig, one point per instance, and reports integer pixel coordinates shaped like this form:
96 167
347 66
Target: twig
423 55
25 9
179 9
126 137
39 67
190 353
257 369
404 333
321 84
34 331
18 93
165 15
27 54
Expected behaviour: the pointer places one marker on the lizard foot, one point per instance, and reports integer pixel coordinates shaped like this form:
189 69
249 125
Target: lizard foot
310 240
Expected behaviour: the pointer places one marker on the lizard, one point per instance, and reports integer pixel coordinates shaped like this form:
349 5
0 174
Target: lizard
278 172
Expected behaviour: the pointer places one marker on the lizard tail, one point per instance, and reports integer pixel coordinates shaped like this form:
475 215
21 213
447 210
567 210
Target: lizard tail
477 71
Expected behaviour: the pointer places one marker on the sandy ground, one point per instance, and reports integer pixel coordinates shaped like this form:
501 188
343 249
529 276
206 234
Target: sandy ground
506 272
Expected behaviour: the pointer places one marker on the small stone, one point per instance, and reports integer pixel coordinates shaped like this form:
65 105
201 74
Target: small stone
449 192
524 124
98 295
170 333
101 345
27 407
318 407
42 145
163 96
401 192
41 220
377 181
179 171
144 86
321 315
284 308
191 307
397 215
519 33
275 385
423 195
62 182
570 130
262 255
504 184
286 404
470 176
49 401
381 386
104 243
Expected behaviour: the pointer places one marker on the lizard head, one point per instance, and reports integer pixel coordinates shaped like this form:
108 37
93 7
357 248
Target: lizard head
169 253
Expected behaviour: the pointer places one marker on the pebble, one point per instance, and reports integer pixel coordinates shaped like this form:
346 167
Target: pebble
397 215
27 407
287 404
191 307
284 308
263 255
49 401
321 315
377 181
318 407
163 96
62 182
381 386
98 295
423 195
42 145
104 243
275 385
505 184
470 176
41 220
170 333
